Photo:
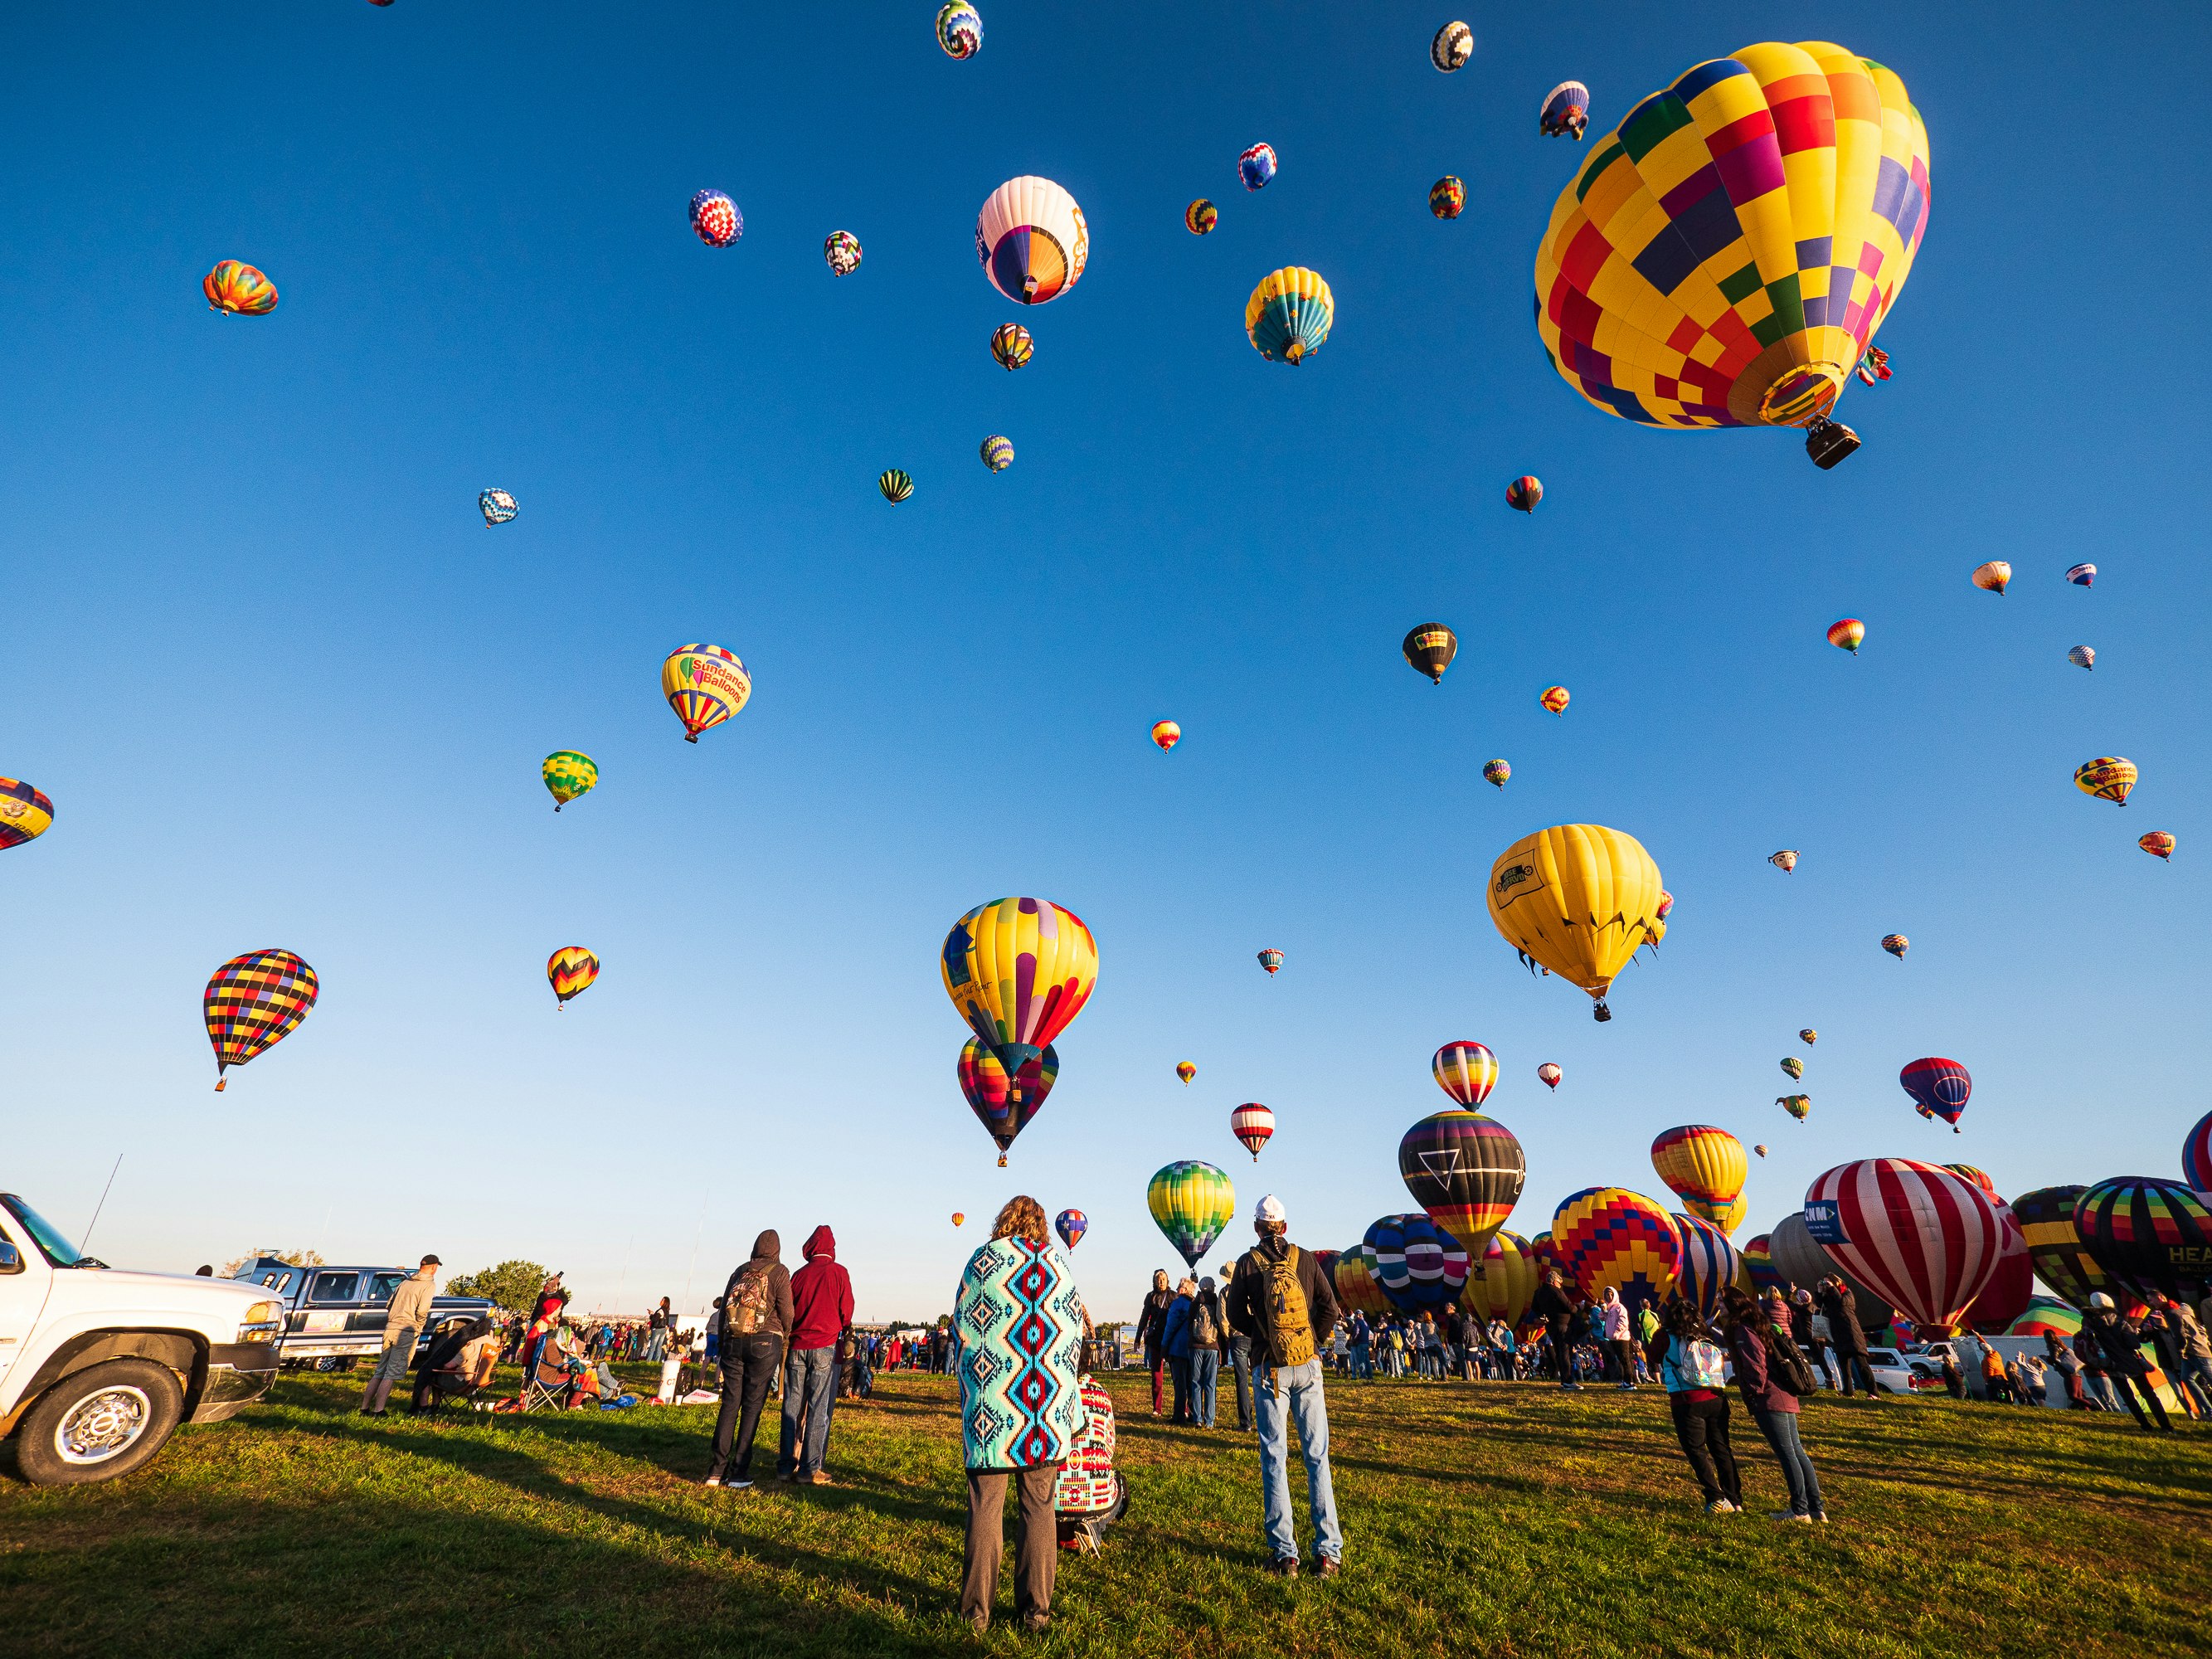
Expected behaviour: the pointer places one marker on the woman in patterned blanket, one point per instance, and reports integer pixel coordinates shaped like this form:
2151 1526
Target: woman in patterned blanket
1020 1323
1091 1497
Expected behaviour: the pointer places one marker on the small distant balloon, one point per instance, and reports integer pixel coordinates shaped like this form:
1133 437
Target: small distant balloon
1071 1226
1496 772
841 250
1798 1106
1466 1071
715 218
1271 960
1566 110
1185 1071
253 1002
1523 493
960 30
705 684
1012 346
998 452
1429 649
1808 1035
1201 217
1167 734
570 971
496 506
1550 1074
1897 944
1785 860
568 774
895 485
958 1217
2082 575
1665 908
238 289
1939 1088
1555 699
2158 844
1793 1066
24 813
1253 1124
1447 196
1847 634
1991 578
1453 46
2108 777
1256 166
1761 1151
2083 656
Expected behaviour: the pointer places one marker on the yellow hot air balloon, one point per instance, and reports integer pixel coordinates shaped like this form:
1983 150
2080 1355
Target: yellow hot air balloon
705 684
1185 1071
1576 900
1020 970
2108 777
1704 1167
1727 257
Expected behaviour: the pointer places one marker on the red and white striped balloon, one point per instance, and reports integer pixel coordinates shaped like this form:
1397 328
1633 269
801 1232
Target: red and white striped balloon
1253 1124
1923 1240
2011 1287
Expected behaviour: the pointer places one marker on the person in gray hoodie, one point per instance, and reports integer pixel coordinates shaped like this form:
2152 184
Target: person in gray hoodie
756 1323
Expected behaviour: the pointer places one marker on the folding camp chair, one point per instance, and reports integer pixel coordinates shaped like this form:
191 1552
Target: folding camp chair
552 1385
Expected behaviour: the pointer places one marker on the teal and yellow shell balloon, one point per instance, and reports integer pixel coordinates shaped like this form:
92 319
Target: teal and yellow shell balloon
1191 1202
1289 315
568 774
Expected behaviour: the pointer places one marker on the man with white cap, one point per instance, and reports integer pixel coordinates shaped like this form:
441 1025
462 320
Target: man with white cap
1281 1300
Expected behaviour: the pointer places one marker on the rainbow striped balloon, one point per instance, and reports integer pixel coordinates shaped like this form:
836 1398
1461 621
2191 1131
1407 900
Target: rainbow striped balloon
1466 1071
2149 1235
1707 1263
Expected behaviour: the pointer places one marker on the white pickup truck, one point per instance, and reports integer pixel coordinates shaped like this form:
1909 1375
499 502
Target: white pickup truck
98 1367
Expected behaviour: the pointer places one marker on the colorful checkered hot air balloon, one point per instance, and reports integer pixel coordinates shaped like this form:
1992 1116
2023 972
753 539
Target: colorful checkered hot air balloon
1939 1088
1703 1166
1071 1226
705 684
1447 196
1897 944
252 1003
1705 1264
1466 1171
1579 900
2108 777
1429 648
1726 258
1610 1238
1253 1125
568 774
960 29
715 219
1005 1108
998 452
1290 314
1031 239
1191 1202
571 970
1201 217
1418 1264
2149 1235
237 289
1925 1240
2054 1243
1466 1071
2083 657
1020 970
496 506
841 251
25 812
1499 772
1256 166
1979 1178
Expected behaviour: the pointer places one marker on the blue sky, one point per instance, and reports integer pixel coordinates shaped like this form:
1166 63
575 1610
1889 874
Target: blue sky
286 690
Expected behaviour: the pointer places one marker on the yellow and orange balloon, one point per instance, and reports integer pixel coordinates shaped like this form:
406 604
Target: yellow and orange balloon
1704 1167
570 971
1577 900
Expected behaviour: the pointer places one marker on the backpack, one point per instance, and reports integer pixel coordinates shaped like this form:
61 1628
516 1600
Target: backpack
1290 1321
1202 1334
745 1310
1697 1364
1786 1367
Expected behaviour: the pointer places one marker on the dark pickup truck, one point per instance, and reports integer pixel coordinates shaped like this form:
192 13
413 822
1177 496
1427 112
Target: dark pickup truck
335 1316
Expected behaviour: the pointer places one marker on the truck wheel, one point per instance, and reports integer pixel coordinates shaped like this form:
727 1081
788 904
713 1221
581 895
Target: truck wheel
100 1423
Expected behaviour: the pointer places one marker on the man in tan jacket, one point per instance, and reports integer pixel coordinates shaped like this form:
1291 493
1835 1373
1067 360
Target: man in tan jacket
403 1324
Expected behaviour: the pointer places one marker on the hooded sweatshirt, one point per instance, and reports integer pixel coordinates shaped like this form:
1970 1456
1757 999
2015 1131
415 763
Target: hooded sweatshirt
766 1248
821 1295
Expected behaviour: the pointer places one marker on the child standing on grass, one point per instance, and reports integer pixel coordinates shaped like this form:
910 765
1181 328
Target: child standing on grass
1697 1395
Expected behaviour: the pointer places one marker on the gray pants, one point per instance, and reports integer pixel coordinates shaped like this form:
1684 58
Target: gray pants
398 1353
810 1391
1037 1543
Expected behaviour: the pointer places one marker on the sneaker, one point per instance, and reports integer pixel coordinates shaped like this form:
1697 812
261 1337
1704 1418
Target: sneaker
1287 1567
1720 1506
1820 1520
1327 1565
1035 1623
819 1479
711 1480
736 1485
1787 1515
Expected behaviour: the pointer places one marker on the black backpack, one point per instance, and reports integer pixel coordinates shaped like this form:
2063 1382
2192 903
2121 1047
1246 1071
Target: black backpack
1787 1367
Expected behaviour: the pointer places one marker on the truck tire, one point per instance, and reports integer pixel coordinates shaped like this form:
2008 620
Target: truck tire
98 1423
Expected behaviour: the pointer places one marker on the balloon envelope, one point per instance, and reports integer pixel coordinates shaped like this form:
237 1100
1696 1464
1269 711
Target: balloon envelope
1020 970
1706 1263
2046 1314
1556 698
1702 1165
2108 777
2082 575
705 684
1256 166
1897 944
1418 1264
1466 1071
1578 899
571 971
1357 1286
1201 217
1991 578
2196 1155
2005 1297
2150 1235
1191 1202
567 775
25 812
1927 1242
1429 649
1167 734
1566 110
1611 1238
1290 314
1507 1282
1031 239
841 252
1253 1125
1466 1171
2158 844
1759 1264
1939 1087
1550 1074
1847 634
237 288
715 219
1185 1071
2054 1243
1013 345
1453 46
253 1002
1071 1226
496 506
960 29
1005 1102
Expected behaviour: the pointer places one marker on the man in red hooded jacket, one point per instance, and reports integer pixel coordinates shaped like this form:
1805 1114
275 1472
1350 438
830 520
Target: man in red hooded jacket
822 1307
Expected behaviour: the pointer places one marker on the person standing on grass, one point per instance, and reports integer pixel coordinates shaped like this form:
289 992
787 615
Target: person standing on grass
822 1307
1613 1314
1237 1351
1175 1343
1697 1394
1834 1297
2195 1372
757 1316
2158 1330
1282 1300
1205 1332
1763 1363
1021 1322
2121 1343
1152 1332
2096 1382
2056 1352
1473 1345
1552 1306
404 1319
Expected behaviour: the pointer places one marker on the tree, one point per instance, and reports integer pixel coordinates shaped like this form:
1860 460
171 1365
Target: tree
513 1285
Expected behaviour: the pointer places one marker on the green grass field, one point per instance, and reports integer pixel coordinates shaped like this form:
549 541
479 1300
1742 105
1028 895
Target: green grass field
1479 1519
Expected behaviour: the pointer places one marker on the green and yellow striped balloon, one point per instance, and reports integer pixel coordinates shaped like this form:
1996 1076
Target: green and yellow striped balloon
568 774
1191 1202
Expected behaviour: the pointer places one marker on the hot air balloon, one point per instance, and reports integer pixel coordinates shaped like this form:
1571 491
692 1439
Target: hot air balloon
25 812
1550 1074
1555 699
1499 772
715 219
1167 734
1289 315
1798 1106
1705 1263
2054 1246
1991 578
1666 910
958 1219
1429 649
1466 1071
1011 345
237 289
1759 1266
1926 1242
1897 944
1809 1036
1702 1166
1453 46
895 485
1761 1151
1847 634
1357 1286
253 1002
1201 217
1796 1259
2149 1235
1728 257
1610 1238
496 506
2005 1297
1253 1124
841 251
1793 1066
998 453
2082 575
570 971
1271 960
1577 899
1785 860
1031 239
568 774
705 684
1506 1282
1466 1171
1417 1264
1071 1226
2046 1315
1566 110
2159 843
2108 777
1542 1253
960 30
1523 493
1185 1071
1447 196
1979 1178
1191 1202
1256 166
1004 1108
1019 970
2083 656
2196 1155
1939 1088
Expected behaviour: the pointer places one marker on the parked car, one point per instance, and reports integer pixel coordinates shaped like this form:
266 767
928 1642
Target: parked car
1905 1373
334 1316
98 1367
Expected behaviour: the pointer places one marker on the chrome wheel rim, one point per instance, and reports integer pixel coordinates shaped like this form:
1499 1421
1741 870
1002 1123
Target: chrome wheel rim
103 1426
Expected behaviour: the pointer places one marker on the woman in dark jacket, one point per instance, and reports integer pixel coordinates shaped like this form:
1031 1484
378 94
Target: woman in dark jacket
756 1322
1751 1337
1552 1305
1152 1334
2121 1344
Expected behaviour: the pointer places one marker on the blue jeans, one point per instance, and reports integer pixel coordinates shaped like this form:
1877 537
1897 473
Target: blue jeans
2197 1378
1363 1362
1780 1429
1280 1394
1204 1375
810 1391
1179 1370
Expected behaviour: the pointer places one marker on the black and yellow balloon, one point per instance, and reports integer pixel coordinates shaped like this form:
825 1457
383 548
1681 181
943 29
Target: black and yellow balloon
1578 900
1430 648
